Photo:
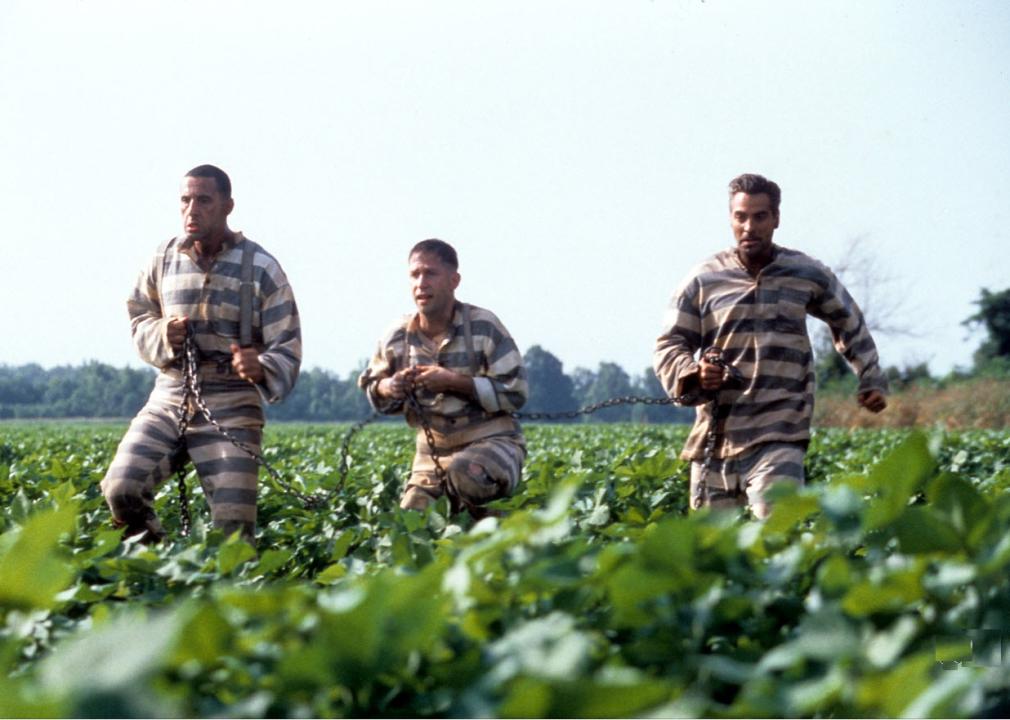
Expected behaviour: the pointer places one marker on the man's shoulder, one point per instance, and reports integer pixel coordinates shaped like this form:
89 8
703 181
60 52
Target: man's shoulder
795 257
712 268
796 263
396 330
261 256
483 315
480 313
167 246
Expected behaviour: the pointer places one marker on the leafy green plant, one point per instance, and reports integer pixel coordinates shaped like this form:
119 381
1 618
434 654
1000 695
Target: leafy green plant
879 589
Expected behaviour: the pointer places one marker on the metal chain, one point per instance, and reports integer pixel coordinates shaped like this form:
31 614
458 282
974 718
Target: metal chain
589 409
715 356
193 393
429 436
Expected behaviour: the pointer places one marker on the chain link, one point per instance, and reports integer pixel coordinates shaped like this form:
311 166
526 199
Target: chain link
192 396
589 409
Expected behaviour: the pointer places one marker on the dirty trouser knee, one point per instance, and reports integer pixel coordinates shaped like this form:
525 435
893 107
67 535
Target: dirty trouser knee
142 461
145 456
479 472
745 479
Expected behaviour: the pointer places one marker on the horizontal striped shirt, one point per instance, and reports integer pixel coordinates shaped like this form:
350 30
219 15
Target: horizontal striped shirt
499 376
173 284
760 325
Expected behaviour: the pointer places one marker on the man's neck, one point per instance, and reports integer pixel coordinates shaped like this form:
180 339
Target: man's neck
436 326
754 268
207 248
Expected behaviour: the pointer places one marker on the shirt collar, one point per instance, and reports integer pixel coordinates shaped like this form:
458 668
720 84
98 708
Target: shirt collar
414 325
227 244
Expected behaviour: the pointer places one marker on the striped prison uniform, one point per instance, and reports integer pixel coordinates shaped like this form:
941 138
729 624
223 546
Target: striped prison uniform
479 444
173 284
759 323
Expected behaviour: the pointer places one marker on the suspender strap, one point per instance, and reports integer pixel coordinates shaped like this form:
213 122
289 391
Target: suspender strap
245 307
471 356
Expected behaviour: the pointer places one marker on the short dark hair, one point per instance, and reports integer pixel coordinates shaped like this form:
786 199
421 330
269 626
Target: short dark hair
440 249
752 184
219 176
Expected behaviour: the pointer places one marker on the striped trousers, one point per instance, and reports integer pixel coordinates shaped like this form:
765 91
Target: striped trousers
147 455
744 479
477 472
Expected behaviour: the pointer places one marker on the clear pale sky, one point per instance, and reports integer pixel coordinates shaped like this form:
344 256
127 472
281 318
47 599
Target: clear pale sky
575 153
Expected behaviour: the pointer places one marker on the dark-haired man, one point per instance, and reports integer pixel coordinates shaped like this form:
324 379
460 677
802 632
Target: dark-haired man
235 300
751 302
467 376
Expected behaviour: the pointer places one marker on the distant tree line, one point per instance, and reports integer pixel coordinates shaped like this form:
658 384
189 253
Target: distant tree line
96 390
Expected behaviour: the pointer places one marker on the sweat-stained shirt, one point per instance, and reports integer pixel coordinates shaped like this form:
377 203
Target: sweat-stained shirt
173 284
760 325
498 374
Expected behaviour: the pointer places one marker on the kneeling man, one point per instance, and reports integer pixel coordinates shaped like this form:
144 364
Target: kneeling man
467 377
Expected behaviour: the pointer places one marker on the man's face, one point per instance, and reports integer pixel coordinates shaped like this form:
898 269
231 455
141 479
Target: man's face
204 211
432 284
754 224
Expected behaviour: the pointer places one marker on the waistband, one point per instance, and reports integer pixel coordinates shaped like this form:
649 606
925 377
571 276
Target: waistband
220 367
500 425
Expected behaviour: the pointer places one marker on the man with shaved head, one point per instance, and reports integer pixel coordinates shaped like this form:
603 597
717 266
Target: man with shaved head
467 375
233 299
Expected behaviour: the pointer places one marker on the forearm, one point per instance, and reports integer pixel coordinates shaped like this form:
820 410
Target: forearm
150 338
680 338
676 368
281 357
504 387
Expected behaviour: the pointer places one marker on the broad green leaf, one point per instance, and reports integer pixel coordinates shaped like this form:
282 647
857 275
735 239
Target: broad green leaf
109 667
788 512
204 636
272 560
835 576
960 504
584 698
33 570
896 478
233 553
894 593
331 574
921 530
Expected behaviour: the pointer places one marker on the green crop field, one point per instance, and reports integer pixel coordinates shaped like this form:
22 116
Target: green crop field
881 589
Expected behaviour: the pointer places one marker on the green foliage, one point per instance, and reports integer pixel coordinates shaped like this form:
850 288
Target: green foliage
876 590
550 389
994 315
